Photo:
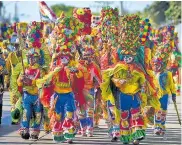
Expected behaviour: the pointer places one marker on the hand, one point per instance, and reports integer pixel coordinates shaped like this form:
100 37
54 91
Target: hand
13 107
122 81
14 100
174 97
27 81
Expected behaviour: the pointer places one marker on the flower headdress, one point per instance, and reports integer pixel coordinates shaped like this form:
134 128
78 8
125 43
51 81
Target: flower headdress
84 15
35 36
129 34
109 23
67 30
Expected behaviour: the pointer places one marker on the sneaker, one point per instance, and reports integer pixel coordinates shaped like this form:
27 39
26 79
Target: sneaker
136 142
157 131
25 136
90 135
14 123
84 134
114 139
34 137
70 141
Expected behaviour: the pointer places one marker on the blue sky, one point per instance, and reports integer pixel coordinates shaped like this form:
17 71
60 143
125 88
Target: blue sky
29 11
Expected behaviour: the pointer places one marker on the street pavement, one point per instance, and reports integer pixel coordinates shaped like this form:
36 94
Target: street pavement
9 135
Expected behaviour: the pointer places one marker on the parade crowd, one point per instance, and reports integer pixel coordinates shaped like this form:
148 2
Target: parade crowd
68 74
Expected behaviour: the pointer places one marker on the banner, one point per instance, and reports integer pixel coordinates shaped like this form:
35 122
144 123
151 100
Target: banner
46 12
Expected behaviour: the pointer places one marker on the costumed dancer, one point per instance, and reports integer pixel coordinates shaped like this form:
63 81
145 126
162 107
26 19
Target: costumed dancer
62 102
84 15
109 57
2 73
5 51
152 88
165 78
126 82
92 79
175 64
13 59
27 79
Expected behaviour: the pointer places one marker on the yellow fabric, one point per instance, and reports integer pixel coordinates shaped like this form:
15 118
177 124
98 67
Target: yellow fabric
133 84
59 87
47 56
14 93
79 74
69 115
106 90
153 96
12 61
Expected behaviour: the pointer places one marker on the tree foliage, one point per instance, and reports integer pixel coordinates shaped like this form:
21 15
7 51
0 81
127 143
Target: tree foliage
174 11
59 8
160 12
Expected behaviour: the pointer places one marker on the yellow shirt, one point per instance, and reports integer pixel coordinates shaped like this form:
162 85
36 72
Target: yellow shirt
64 86
12 61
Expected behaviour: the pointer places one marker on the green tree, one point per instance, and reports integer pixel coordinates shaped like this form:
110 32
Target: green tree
59 8
174 11
157 11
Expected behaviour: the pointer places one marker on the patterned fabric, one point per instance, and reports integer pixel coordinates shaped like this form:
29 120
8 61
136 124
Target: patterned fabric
31 104
132 123
61 119
160 116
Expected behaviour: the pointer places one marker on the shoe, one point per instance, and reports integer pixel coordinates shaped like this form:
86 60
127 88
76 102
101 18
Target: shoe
84 134
90 134
114 139
96 126
25 136
157 131
140 138
136 142
14 123
70 141
34 137
79 132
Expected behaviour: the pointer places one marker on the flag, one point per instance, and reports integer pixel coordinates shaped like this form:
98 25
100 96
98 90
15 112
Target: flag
46 12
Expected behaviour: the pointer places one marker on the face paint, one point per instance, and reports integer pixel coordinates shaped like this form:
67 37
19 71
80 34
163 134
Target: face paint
32 60
65 60
157 66
11 48
128 58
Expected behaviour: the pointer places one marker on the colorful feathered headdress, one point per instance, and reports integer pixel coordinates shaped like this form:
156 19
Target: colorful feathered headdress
66 30
129 34
84 15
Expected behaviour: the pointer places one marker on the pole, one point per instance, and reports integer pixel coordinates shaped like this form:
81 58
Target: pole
20 39
175 106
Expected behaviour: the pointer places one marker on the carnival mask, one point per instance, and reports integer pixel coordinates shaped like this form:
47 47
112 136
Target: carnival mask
157 66
65 60
33 60
67 31
11 48
128 58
